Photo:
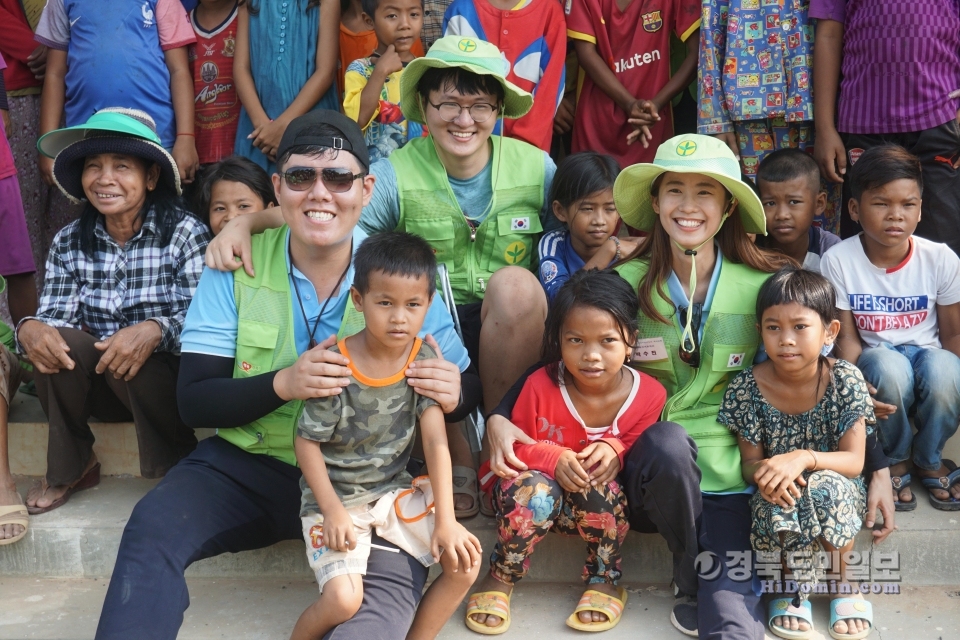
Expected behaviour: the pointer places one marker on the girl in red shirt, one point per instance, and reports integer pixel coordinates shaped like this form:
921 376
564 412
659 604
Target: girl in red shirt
584 409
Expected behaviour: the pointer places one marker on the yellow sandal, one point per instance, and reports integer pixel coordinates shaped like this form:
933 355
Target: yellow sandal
593 600
490 602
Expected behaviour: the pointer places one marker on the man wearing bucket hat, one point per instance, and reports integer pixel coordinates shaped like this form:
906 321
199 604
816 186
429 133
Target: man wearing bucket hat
254 349
479 200
683 476
106 338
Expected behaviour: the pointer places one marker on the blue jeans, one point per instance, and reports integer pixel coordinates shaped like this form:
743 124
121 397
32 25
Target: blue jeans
925 379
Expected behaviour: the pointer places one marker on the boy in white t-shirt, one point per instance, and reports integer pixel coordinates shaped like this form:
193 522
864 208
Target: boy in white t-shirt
899 302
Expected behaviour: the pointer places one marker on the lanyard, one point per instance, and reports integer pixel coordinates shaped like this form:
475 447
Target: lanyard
336 289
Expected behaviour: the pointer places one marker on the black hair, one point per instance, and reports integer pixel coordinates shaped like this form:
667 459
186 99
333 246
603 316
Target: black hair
793 284
604 290
321 130
582 174
882 165
232 169
167 206
370 6
394 253
784 165
463 81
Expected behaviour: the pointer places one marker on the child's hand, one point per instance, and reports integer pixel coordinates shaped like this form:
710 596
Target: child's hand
185 155
601 461
45 166
453 538
643 114
730 139
830 154
338 531
389 62
777 477
569 472
267 137
566 112
881 410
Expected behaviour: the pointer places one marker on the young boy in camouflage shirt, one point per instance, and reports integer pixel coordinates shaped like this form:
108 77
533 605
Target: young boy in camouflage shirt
353 449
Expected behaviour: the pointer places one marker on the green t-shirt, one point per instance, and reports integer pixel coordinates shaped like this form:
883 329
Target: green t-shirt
365 433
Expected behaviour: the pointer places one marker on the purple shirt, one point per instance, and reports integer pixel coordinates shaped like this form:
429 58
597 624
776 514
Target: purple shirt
901 59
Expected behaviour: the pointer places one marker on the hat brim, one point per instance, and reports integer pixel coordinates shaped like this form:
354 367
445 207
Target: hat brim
516 101
631 193
51 144
68 166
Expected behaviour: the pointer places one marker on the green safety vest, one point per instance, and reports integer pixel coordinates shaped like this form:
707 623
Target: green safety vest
508 235
265 342
730 342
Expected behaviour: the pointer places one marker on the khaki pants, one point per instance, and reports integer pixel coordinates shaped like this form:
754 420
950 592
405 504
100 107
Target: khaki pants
69 398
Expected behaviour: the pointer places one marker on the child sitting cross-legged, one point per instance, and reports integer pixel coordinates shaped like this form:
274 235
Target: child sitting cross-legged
899 301
801 421
353 449
582 198
584 409
789 185
372 84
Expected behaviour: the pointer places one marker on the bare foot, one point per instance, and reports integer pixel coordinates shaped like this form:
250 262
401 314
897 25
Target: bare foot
851 626
490 583
791 623
588 617
462 502
41 495
9 496
941 494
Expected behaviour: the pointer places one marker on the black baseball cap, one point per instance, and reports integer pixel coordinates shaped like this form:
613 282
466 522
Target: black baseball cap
300 132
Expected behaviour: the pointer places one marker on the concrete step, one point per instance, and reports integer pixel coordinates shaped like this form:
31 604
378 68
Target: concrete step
81 539
266 609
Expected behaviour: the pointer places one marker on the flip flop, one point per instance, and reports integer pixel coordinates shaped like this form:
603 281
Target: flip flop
465 483
490 602
784 607
944 482
593 600
849 609
14 514
90 479
899 482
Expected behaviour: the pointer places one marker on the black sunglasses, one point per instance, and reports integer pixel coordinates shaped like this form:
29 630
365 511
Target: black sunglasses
690 353
336 180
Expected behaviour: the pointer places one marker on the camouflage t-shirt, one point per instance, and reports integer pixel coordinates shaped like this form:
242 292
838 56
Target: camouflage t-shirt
366 434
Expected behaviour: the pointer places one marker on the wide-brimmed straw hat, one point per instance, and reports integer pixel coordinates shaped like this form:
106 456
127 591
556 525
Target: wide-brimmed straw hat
688 153
470 54
113 130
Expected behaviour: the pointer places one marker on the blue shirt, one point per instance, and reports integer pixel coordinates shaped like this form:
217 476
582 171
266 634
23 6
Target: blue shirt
558 261
679 297
211 324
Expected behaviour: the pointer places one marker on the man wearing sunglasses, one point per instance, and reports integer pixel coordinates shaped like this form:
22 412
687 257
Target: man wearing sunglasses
479 199
254 348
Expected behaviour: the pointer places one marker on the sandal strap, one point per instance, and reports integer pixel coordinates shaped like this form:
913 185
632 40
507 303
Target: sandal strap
491 602
14 514
593 600
784 607
899 482
850 609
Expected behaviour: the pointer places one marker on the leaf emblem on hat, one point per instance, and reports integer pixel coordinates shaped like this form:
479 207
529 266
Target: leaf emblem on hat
686 148
467 45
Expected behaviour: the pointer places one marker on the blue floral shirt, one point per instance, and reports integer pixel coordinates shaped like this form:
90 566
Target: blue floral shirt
756 60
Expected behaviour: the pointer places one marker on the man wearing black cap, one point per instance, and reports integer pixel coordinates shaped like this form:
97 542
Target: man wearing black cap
254 348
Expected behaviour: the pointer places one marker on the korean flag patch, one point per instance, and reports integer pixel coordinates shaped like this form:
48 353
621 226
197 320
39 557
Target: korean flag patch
735 360
520 224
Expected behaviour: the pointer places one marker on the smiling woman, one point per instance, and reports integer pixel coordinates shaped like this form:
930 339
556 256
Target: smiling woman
119 279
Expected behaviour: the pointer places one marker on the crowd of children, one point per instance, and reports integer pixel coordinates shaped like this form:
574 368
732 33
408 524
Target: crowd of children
695 277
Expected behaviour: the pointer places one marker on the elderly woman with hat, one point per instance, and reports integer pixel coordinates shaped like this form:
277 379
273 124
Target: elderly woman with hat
106 338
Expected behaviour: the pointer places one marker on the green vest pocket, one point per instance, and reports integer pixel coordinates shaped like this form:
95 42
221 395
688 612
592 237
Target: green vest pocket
516 240
256 343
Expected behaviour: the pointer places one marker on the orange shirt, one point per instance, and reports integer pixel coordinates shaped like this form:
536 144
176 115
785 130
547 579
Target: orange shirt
354 46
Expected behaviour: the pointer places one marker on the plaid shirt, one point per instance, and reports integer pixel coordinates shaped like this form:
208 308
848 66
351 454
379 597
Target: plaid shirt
122 286
432 28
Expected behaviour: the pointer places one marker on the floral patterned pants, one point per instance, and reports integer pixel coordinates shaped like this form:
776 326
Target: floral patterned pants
533 504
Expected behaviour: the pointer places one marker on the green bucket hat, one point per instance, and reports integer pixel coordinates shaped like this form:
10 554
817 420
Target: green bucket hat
688 153
470 54
110 130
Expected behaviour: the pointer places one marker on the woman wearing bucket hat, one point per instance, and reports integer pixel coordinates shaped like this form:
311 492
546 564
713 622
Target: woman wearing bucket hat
479 199
683 476
106 339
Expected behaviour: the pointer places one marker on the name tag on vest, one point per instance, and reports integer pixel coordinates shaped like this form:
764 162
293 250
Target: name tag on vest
650 350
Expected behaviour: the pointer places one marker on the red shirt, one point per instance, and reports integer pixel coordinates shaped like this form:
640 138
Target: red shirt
16 43
635 44
217 108
545 412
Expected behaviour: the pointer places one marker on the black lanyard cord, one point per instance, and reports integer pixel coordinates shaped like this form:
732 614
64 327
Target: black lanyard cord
336 289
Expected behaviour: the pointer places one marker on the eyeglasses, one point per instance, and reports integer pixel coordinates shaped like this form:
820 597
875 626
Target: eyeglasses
335 180
690 353
450 111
